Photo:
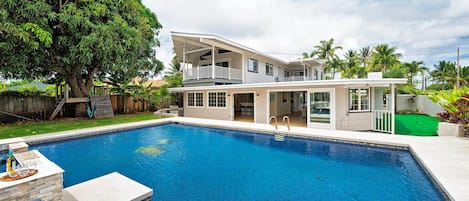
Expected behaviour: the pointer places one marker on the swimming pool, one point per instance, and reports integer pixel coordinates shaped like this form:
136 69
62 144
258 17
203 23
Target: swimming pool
194 163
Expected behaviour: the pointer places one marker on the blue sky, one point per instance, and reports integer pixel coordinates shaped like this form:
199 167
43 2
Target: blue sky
421 30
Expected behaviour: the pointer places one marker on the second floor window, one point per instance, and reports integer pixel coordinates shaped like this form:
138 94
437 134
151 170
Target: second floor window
269 69
286 73
253 65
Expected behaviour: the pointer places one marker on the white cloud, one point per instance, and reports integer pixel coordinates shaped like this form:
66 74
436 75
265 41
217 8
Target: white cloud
420 29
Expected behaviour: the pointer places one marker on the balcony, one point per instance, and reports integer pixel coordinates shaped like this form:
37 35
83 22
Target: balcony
294 78
206 72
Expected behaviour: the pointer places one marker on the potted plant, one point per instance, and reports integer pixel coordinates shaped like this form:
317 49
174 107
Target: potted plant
456 111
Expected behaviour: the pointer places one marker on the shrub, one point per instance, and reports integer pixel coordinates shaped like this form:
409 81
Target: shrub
455 104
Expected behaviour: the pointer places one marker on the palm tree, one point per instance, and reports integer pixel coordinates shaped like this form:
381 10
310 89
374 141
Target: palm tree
174 75
335 64
364 55
175 67
384 57
326 50
444 71
394 72
413 68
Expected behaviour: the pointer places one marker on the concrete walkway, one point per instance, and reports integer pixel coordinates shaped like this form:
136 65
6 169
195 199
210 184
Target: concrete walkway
446 158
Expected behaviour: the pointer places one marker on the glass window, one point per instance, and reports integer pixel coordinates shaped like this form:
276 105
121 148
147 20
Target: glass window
190 100
217 99
359 100
199 99
286 73
195 99
269 69
253 65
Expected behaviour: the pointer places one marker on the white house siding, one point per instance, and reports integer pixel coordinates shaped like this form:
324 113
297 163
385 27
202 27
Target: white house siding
260 76
344 119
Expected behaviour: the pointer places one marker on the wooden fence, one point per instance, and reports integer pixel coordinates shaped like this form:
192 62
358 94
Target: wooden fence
35 107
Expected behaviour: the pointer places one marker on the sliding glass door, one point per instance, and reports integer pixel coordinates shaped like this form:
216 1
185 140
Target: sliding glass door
321 108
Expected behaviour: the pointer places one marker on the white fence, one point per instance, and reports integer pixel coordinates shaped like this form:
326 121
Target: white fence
205 72
381 121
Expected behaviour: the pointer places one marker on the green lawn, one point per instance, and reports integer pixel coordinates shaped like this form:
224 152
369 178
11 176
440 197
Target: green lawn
416 124
26 129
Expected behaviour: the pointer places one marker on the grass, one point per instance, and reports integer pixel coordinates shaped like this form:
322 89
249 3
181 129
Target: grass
416 124
27 129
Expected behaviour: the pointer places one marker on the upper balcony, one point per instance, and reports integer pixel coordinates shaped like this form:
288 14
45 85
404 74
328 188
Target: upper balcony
209 73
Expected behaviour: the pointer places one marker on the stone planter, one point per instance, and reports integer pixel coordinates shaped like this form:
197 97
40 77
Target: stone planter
450 129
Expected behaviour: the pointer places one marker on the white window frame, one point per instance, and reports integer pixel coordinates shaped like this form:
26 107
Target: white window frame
359 100
257 70
269 69
216 97
195 99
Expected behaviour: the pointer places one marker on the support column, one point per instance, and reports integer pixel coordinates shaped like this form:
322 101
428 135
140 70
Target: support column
304 72
213 62
184 71
393 109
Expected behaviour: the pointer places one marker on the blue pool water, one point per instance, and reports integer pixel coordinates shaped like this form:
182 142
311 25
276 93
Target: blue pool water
194 163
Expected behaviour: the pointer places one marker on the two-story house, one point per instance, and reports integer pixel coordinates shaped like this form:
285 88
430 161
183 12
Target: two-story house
229 81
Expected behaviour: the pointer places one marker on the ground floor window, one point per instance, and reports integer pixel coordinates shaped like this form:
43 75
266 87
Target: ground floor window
359 100
217 99
195 99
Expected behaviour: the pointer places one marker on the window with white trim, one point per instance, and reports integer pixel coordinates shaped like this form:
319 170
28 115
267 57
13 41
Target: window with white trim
359 100
253 65
195 99
217 99
269 69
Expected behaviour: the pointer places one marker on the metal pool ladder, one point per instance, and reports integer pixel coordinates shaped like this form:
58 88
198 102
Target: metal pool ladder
274 118
288 121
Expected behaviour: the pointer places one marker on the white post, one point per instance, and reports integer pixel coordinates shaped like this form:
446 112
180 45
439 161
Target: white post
393 105
243 68
229 72
213 62
184 62
198 77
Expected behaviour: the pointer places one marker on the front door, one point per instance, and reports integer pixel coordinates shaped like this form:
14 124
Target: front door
321 108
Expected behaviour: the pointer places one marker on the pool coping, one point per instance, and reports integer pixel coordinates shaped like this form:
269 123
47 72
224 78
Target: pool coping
451 184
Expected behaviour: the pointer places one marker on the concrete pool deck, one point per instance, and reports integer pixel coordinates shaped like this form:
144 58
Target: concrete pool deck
445 158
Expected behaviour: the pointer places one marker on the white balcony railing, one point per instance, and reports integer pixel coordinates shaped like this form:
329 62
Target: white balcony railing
381 121
206 72
294 78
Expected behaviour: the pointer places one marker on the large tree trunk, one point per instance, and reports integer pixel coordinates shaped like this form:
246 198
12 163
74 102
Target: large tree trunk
80 88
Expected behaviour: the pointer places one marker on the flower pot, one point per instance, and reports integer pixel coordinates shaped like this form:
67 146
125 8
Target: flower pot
450 129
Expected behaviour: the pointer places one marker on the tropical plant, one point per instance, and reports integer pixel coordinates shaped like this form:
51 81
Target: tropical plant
352 68
326 51
384 58
142 93
161 97
334 65
413 68
364 55
174 75
394 72
444 72
455 103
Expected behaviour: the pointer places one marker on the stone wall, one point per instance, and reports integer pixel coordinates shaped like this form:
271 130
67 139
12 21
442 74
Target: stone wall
47 188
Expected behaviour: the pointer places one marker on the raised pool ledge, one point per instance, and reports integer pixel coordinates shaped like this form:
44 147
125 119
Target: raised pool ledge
443 158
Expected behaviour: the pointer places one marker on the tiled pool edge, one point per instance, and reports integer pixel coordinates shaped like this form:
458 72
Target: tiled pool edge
73 134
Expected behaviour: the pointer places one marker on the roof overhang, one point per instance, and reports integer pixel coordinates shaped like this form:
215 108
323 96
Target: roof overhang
208 40
314 83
